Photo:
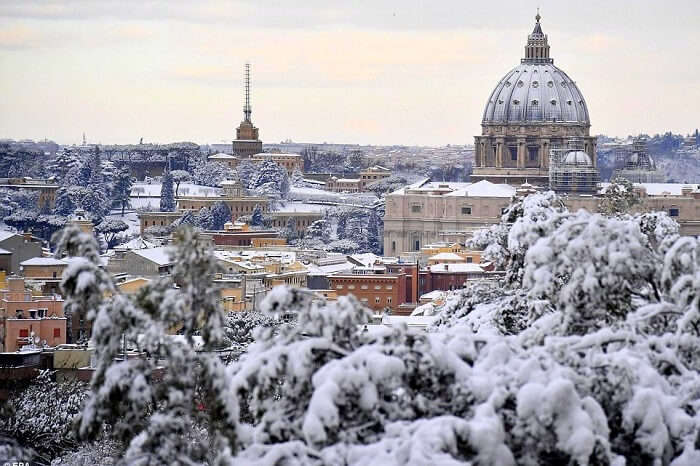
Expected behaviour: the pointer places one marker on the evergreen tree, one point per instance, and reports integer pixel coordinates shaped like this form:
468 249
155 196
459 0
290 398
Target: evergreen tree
167 195
221 214
618 198
123 181
374 239
256 220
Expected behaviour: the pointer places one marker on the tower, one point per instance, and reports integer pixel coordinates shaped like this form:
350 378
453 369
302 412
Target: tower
247 142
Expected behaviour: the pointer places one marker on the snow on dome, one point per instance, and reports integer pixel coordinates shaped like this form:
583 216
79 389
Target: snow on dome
577 158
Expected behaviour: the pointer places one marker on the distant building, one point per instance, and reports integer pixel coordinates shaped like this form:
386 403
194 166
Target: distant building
534 107
247 142
373 174
572 171
231 161
635 164
46 188
20 248
291 162
428 212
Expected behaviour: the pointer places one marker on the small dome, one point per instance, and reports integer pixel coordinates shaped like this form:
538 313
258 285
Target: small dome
577 158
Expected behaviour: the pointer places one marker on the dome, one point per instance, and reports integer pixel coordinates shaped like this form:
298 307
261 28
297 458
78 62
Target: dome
577 158
536 91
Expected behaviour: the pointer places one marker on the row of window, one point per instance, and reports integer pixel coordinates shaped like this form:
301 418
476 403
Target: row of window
24 333
364 287
377 300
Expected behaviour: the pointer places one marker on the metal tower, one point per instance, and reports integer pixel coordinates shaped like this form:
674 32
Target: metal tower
246 108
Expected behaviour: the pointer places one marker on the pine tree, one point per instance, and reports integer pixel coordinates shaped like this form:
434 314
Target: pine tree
256 220
167 195
123 181
374 240
221 214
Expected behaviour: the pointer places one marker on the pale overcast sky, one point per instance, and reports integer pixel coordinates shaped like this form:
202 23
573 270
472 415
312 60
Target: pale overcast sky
369 72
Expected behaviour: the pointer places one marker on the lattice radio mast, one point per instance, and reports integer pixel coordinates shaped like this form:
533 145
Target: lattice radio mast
246 108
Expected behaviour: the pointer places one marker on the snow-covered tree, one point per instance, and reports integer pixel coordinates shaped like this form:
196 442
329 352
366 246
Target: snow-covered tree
221 214
256 219
156 419
110 228
180 176
246 170
212 174
121 192
619 197
62 163
271 180
167 194
319 229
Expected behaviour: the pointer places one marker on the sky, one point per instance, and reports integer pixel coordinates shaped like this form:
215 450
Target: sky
367 72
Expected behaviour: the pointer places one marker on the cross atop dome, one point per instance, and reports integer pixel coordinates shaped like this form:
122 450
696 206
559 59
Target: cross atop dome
537 47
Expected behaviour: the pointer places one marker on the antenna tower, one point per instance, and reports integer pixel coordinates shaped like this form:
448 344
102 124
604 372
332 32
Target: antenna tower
246 108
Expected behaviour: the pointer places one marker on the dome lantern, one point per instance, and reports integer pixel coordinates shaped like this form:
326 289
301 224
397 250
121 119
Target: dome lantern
537 47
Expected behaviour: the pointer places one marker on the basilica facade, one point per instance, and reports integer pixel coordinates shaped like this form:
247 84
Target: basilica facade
534 108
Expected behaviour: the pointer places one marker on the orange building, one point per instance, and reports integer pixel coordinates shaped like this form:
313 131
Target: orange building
376 291
26 317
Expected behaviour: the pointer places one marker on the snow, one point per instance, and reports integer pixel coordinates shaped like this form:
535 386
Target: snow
660 189
410 321
159 255
47 261
4 234
482 188
295 206
443 256
456 268
5 251
221 155
141 190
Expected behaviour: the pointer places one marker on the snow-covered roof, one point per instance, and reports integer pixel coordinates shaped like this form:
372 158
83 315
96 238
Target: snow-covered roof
328 269
43 261
367 259
275 154
410 321
221 155
660 189
4 234
435 294
159 255
136 243
446 256
5 251
347 180
186 189
482 188
456 268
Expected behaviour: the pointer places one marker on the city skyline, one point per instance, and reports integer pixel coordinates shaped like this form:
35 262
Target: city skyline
391 73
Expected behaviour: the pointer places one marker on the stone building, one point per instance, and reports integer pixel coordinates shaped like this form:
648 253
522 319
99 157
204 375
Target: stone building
46 189
534 107
230 161
20 246
291 162
428 212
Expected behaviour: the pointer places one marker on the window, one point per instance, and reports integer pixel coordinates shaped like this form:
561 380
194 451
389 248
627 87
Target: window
376 300
351 287
533 153
388 287
377 287
388 299
466 210
673 212
54 274
415 208
363 287
469 260
339 287
56 333
364 300
417 245
513 153
393 246
23 333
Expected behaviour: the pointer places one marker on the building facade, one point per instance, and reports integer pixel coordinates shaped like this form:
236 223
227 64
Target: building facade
535 107
291 162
